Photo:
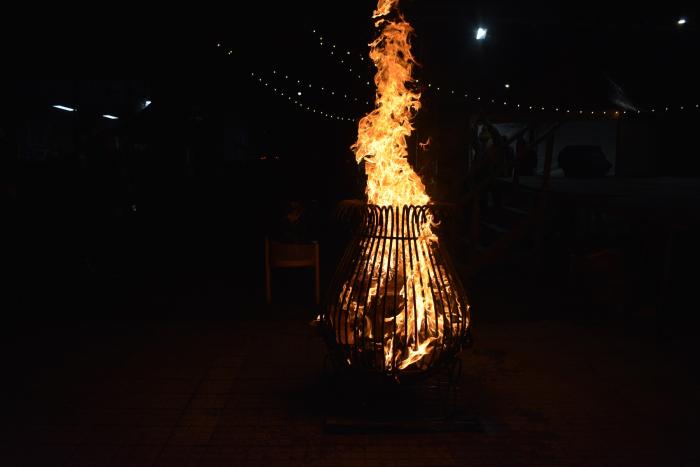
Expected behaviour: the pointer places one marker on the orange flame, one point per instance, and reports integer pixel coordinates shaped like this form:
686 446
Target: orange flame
381 139
425 145
391 181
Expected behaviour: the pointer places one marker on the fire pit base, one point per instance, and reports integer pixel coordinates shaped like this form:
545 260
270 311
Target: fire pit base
347 425
358 402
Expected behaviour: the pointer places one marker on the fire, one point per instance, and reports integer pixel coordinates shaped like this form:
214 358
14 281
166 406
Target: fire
416 327
381 139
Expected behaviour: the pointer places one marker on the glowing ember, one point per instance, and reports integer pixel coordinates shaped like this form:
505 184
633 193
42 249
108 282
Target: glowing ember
396 299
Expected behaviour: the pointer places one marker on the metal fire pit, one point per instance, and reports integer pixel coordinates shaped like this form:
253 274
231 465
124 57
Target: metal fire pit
396 307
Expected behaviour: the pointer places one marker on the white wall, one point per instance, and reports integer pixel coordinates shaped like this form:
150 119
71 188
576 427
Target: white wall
600 133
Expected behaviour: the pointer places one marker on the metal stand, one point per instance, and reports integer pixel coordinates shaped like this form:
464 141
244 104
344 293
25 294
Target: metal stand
357 404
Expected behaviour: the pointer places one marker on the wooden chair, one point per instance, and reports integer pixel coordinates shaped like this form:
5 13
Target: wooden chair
291 255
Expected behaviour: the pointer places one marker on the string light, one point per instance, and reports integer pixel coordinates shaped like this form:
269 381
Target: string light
348 54
437 90
302 105
323 89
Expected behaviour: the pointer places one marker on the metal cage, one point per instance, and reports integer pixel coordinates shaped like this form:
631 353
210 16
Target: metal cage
395 305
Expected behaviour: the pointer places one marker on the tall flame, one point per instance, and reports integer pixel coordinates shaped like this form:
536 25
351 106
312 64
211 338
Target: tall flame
416 330
381 139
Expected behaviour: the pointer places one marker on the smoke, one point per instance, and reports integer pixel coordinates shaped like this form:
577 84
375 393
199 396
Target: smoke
618 96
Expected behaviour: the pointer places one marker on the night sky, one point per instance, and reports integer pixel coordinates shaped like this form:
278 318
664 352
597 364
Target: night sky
206 68
547 51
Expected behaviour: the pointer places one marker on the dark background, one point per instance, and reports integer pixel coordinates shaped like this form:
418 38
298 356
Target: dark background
134 328
187 188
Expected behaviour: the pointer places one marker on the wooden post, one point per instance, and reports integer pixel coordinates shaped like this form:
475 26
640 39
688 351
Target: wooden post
618 147
548 155
268 289
520 149
540 213
318 274
476 220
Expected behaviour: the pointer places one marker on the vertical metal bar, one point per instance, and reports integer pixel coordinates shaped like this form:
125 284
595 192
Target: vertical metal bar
387 254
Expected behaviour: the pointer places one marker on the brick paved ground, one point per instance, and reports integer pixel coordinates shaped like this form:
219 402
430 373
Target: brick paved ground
231 392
